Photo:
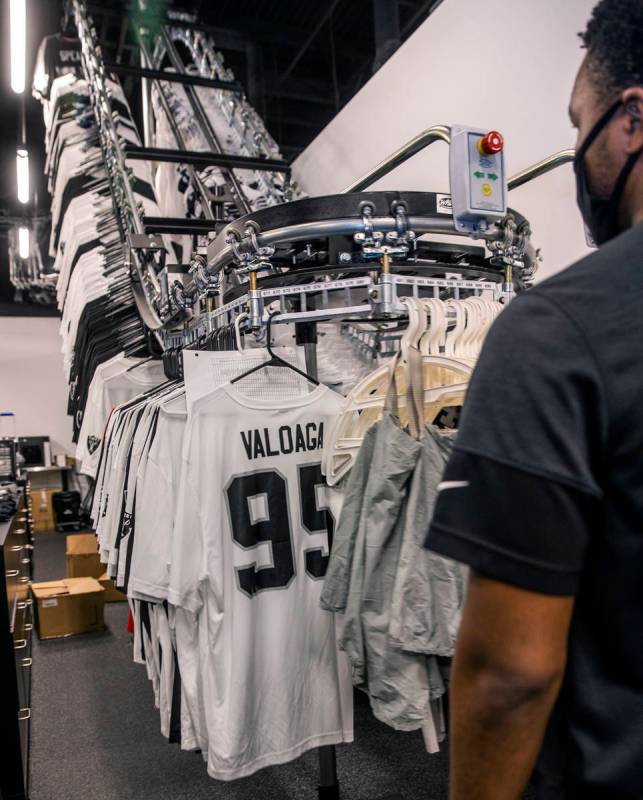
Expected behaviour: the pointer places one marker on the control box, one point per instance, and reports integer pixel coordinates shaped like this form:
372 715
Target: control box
477 177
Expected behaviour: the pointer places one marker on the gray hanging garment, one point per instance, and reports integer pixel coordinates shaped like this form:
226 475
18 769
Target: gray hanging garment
397 682
429 589
334 594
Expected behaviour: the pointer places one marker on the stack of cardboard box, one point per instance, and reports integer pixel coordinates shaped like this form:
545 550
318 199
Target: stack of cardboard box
75 604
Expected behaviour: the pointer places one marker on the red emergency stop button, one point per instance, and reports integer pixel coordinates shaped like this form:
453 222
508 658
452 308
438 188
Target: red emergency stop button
491 143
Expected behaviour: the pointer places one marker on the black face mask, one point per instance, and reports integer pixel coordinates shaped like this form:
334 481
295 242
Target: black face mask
600 216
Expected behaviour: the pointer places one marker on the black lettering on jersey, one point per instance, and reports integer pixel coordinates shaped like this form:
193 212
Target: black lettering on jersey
315 517
300 441
264 442
69 55
285 444
269 450
258 448
271 523
273 528
311 441
246 438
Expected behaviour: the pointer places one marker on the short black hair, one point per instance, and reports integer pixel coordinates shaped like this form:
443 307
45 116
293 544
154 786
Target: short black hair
614 42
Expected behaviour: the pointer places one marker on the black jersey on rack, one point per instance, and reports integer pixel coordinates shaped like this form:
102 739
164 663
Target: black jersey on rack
545 492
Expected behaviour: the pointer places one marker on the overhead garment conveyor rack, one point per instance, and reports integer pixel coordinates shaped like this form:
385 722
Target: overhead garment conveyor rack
355 232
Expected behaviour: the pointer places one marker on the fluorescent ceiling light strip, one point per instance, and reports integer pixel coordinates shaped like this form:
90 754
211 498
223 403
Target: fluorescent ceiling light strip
18 15
22 174
23 242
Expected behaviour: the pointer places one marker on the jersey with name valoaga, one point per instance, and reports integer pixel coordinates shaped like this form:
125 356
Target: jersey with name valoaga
249 553
545 491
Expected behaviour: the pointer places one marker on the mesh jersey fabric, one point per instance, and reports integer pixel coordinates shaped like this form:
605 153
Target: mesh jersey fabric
248 557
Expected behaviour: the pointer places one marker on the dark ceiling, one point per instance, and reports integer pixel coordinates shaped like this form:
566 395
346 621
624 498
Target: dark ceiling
300 61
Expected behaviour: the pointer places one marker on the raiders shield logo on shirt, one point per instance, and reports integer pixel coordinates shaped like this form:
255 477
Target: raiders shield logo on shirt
93 443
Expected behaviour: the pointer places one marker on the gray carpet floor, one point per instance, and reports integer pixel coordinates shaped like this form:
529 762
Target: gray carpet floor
95 731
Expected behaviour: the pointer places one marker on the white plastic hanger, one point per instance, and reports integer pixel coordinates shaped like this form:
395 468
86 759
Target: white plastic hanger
364 407
445 382
435 335
237 331
417 324
451 344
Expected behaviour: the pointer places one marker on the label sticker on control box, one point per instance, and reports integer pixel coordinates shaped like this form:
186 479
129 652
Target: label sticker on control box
443 204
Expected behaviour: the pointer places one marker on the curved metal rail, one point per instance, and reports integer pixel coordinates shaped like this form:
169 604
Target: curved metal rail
437 133
541 168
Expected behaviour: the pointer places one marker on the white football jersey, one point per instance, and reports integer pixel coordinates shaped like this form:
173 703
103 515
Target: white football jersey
158 478
249 554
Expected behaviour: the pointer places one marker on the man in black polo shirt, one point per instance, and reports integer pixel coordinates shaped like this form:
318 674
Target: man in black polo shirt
543 497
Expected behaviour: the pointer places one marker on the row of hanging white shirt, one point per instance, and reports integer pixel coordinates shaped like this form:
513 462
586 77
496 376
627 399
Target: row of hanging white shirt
147 480
248 640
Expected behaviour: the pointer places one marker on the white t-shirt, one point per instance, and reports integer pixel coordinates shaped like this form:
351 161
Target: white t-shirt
249 554
156 491
97 411
118 385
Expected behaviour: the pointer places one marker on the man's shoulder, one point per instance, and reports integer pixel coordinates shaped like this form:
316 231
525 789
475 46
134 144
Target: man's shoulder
607 276
622 256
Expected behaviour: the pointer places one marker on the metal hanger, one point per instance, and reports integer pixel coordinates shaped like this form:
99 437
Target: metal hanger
140 363
275 360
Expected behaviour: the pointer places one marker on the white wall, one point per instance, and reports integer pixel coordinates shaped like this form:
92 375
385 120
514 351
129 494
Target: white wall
503 64
32 382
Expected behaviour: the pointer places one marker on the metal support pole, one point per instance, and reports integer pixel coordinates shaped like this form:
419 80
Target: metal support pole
311 38
194 176
172 77
204 124
255 304
386 283
328 784
146 105
254 69
180 225
205 159
333 62
386 24
306 335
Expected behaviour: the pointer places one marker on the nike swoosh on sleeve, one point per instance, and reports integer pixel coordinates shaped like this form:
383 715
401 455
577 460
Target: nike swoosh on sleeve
452 485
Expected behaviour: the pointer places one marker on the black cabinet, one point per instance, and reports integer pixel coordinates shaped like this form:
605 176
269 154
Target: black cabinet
16 627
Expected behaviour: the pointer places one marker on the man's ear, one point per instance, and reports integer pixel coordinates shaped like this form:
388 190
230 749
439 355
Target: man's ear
633 120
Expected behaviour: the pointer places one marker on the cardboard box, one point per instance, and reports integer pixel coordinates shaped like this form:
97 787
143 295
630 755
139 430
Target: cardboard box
83 560
42 510
68 607
112 595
